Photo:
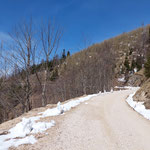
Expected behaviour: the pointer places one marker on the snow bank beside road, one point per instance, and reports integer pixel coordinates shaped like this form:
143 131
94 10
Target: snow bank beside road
20 134
138 106
65 107
16 142
21 130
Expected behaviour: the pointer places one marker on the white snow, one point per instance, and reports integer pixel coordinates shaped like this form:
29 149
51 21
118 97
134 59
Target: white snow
122 79
65 107
135 70
53 111
4 145
138 106
20 133
21 130
125 87
42 126
111 90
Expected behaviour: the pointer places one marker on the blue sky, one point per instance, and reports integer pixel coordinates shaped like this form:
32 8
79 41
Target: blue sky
96 20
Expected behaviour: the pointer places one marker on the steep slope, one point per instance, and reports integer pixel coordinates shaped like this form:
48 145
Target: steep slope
143 94
97 67
91 70
137 79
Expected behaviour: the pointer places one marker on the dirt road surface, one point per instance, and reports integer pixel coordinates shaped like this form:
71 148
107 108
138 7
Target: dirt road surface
105 122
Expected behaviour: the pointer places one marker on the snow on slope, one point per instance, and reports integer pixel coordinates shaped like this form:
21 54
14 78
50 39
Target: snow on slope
21 133
138 106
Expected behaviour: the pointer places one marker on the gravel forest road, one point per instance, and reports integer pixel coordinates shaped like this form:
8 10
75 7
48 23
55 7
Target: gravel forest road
105 122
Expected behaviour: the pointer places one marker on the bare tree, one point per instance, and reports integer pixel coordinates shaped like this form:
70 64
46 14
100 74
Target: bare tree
50 38
22 52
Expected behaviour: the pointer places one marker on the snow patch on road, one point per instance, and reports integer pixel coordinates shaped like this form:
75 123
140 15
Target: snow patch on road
138 106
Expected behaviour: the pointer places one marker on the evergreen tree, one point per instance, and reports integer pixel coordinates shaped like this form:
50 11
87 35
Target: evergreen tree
64 54
54 74
131 51
139 63
149 35
133 65
68 53
126 64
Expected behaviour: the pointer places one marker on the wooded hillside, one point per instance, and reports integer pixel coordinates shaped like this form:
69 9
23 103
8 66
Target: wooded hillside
31 78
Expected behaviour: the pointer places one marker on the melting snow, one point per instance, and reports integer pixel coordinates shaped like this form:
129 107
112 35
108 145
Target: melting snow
135 70
21 130
4 145
65 107
138 106
20 133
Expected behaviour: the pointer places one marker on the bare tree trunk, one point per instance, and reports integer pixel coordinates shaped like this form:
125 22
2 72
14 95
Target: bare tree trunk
44 98
23 51
50 37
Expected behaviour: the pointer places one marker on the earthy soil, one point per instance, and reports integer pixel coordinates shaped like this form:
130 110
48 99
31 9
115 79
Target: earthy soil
137 79
143 94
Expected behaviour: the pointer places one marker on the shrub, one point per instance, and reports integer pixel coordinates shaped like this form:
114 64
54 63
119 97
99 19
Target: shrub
147 67
126 64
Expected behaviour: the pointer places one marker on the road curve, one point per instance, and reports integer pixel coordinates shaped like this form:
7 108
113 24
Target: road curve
105 123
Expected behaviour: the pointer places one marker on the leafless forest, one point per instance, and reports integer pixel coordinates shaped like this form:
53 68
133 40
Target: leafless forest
33 74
